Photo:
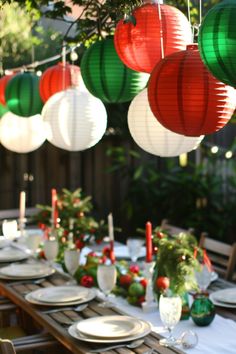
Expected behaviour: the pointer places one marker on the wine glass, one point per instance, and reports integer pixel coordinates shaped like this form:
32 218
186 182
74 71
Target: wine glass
170 307
134 247
33 240
106 278
71 259
9 229
51 249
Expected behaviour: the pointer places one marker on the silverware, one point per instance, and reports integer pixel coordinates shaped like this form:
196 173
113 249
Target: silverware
133 344
77 309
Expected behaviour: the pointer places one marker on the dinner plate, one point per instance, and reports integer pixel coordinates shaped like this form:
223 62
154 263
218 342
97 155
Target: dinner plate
110 326
76 334
60 294
88 296
26 271
225 296
123 252
12 255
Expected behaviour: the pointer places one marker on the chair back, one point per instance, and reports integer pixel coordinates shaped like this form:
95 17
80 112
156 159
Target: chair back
6 347
222 255
174 230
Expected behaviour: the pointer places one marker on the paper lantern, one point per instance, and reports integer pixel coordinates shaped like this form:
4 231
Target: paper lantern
151 136
57 78
75 120
106 77
22 95
186 98
217 41
139 42
3 83
22 135
3 110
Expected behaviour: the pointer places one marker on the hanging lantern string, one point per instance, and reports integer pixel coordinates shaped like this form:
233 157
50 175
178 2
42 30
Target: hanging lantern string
200 12
161 30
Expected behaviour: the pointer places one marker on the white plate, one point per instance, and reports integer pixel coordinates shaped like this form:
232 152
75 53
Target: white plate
76 334
12 255
123 252
225 296
88 296
26 271
110 326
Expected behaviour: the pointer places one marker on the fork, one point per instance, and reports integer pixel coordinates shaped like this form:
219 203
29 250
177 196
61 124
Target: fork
76 309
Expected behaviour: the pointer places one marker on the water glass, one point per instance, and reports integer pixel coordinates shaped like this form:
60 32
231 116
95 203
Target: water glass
170 307
106 278
51 249
9 229
71 259
33 240
134 247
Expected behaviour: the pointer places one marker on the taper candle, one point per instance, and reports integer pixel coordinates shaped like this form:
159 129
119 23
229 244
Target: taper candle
111 237
22 206
54 207
148 242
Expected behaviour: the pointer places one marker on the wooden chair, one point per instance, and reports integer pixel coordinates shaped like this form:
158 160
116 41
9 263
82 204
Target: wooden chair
222 255
6 347
174 230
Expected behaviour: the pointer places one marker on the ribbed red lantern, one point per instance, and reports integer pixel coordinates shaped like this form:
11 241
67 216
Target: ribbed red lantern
186 98
58 78
3 83
153 27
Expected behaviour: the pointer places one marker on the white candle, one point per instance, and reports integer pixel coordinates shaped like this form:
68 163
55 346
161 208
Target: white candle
22 205
110 227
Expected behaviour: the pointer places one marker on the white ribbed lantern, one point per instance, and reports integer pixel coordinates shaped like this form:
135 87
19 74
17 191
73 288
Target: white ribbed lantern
75 120
20 134
151 136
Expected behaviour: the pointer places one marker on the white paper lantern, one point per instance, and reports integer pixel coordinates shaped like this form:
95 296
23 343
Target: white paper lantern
151 136
20 134
75 119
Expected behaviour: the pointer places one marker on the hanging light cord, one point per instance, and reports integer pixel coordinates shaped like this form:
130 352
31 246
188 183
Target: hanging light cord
161 30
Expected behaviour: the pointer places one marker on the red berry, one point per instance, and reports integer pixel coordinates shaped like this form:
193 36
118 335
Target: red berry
79 244
134 268
141 299
87 281
163 283
92 254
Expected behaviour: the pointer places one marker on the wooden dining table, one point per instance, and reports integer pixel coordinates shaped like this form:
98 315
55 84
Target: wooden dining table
57 323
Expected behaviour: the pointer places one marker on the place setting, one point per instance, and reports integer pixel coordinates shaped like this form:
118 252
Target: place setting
10 254
117 330
224 297
16 271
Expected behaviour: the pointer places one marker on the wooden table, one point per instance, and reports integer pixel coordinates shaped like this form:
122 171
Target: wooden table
57 323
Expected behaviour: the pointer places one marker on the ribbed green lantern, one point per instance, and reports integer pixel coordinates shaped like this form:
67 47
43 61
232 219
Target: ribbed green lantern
3 110
217 41
22 95
105 75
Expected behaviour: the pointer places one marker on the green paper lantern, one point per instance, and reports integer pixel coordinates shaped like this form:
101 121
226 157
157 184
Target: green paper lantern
217 41
3 110
105 75
22 95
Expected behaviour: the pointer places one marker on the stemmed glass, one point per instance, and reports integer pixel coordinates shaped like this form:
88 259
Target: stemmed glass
134 247
106 278
170 307
51 249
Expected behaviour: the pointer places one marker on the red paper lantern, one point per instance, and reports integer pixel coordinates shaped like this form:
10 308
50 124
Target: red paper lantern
3 83
186 98
138 41
58 78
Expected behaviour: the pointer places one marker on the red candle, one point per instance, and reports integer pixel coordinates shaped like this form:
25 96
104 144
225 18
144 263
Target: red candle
148 242
54 207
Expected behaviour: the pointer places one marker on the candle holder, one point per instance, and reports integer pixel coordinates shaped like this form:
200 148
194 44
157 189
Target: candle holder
149 304
22 222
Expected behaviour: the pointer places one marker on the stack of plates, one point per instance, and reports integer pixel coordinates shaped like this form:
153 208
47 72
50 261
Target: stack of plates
109 329
61 296
224 298
25 271
12 255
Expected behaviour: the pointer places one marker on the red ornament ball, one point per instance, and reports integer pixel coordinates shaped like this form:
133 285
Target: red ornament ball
186 98
163 283
87 281
58 78
151 28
